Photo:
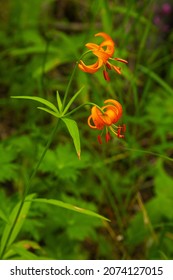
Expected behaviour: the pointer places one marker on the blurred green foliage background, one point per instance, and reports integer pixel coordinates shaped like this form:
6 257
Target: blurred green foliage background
129 181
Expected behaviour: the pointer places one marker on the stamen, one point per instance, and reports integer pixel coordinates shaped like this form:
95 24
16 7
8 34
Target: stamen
121 129
121 60
106 76
107 137
119 132
108 65
117 69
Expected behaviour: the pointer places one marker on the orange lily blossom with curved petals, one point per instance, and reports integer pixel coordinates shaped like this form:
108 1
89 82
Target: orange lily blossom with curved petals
104 52
106 117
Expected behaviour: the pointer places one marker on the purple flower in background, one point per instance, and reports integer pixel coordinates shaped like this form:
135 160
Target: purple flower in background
166 9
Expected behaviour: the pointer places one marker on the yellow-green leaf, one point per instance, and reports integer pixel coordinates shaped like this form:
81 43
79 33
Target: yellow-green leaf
39 99
59 101
69 206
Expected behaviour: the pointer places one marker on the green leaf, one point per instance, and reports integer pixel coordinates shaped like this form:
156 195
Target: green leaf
3 216
156 78
74 132
24 245
72 100
23 253
49 111
59 101
10 233
69 206
63 163
39 99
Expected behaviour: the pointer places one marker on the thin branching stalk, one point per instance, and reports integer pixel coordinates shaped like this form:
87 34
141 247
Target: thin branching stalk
28 186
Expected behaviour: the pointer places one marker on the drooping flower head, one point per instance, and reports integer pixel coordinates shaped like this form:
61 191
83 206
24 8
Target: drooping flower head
104 53
106 117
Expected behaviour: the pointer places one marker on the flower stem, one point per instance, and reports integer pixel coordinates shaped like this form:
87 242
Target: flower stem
82 105
71 78
28 186
68 86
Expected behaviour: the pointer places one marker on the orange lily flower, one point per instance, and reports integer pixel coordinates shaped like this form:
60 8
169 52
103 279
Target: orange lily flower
104 52
106 117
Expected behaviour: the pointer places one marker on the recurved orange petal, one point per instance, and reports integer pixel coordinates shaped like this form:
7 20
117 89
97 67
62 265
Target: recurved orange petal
96 119
92 46
90 68
116 104
104 35
109 47
113 114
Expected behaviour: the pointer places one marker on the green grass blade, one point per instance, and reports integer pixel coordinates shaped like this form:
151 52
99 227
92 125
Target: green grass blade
39 99
156 78
69 207
150 153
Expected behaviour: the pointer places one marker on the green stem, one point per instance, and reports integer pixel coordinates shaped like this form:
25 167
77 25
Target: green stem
68 86
28 186
44 152
82 105
71 79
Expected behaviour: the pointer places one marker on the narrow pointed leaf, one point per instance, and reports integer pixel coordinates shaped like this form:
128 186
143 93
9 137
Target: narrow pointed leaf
27 245
6 240
157 78
49 111
24 253
69 207
59 101
74 132
39 99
